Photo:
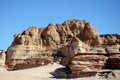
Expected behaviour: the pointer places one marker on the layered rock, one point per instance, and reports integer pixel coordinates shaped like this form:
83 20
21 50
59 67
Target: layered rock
93 61
36 46
87 63
112 52
35 41
21 56
80 62
113 56
114 61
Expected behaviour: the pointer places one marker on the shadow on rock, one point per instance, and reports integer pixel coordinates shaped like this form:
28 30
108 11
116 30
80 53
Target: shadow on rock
61 73
65 73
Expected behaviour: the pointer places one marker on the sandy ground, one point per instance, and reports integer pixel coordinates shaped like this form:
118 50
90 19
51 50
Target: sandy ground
43 73
38 73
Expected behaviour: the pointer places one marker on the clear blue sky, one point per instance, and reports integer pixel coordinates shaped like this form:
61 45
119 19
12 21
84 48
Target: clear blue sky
18 15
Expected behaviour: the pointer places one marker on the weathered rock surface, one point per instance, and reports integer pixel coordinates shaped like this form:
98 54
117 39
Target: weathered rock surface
55 35
82 62
2 58
110 39
75 47
21 56
114 61
76 42
87 63
34 41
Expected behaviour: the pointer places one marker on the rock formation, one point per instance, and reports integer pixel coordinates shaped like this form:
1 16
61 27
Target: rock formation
76 44
91 62
75 47
21 56
2 58
110 39
80 62
55 35
36 41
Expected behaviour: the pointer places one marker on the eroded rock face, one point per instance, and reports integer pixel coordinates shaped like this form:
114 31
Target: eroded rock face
75 47
110 39
114 61
88 62
113 56
80 61
29 37
35 41
50 37
36 46
21 56
55 35
2 58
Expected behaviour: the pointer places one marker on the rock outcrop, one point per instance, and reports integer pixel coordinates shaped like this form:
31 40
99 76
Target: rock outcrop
38 46
80 62
36 41
94 61
75 47
113 56
110 39
21 56
2 58
55 35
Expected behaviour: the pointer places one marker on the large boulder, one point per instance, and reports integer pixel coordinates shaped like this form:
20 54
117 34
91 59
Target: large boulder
80 60
75 47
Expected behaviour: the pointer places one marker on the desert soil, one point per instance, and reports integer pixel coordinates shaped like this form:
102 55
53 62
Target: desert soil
38 73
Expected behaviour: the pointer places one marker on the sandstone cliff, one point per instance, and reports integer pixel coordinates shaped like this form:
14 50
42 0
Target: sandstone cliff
37 46
55 35
81 62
